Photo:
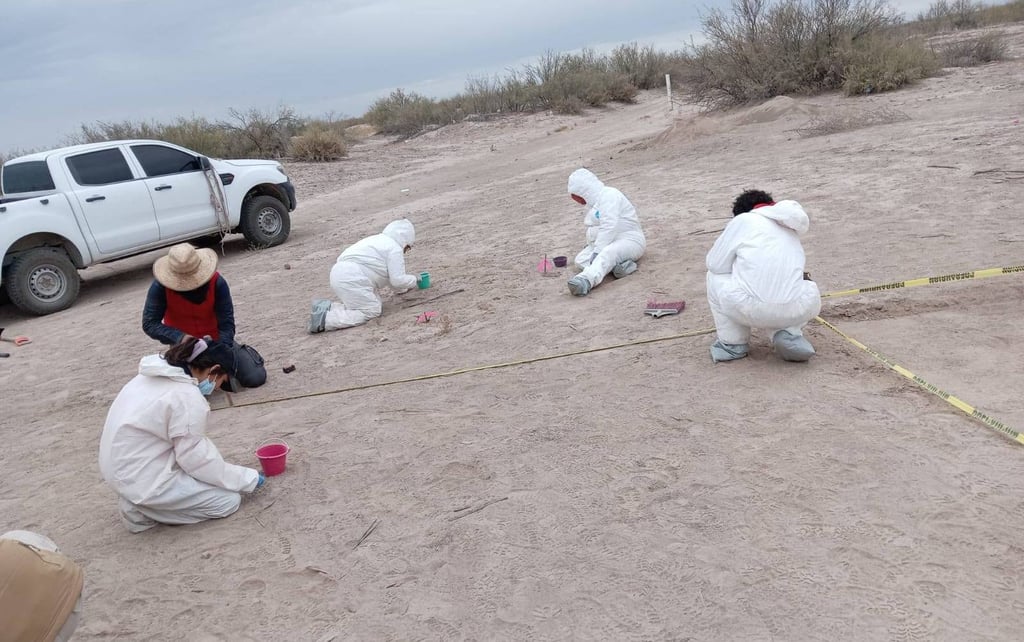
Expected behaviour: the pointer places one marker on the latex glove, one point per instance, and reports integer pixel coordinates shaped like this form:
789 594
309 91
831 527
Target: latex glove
261 481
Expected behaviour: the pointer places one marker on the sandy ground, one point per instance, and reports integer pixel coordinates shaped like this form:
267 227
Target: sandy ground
646 493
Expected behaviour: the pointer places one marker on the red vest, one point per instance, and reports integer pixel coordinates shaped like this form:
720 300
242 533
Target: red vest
198 320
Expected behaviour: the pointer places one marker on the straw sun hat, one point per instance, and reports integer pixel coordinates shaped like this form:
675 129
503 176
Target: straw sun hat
185 268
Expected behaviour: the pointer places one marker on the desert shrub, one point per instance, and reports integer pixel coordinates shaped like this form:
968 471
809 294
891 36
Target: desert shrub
764 48
198 134
261 133
972 52
318 144
403 113
955 14
884 62
1002 13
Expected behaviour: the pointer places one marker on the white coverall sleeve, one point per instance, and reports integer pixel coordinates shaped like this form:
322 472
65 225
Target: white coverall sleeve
397 278
199 457
723 252
608 216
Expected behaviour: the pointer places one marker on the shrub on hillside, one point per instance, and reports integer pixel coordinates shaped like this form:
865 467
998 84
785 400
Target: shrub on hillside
403 113
972 52
764 48
885 62
955 14
318 144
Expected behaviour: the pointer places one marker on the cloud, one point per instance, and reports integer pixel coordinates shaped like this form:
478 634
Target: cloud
70 62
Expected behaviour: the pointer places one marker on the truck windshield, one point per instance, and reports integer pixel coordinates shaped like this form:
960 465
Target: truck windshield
30 176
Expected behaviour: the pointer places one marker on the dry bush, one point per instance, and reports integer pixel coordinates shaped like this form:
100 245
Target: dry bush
766 48
1002 13
836 123
944 15
644 66
265 134
972 52
885 62
403 113
318 144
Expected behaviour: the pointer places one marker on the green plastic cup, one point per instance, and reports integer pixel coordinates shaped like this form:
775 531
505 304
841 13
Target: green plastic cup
424 281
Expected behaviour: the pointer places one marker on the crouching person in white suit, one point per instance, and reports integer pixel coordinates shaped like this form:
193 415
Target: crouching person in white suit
615 241
361 270
154 450
756 279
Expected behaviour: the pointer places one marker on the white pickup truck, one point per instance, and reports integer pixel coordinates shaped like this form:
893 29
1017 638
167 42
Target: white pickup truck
67 209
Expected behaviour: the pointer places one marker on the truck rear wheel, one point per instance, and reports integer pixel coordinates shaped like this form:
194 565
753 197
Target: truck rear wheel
265 221
42 281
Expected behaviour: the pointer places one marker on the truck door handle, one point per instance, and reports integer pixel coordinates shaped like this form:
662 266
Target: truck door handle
161 188
95 198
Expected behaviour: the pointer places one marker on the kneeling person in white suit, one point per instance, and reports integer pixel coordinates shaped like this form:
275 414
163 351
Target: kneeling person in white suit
615 241
361 270
154 450
756 279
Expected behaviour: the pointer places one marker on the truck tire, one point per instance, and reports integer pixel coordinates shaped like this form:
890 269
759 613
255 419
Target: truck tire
265 221
42 281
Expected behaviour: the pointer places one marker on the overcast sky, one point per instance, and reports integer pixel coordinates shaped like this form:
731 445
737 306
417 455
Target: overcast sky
67 62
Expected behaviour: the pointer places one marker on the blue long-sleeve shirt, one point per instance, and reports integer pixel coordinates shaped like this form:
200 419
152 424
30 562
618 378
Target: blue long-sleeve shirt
156 307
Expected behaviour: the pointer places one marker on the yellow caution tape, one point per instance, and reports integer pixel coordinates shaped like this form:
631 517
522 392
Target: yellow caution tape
956 402
929 280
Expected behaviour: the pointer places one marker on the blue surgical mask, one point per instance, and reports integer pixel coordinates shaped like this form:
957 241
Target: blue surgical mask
206 387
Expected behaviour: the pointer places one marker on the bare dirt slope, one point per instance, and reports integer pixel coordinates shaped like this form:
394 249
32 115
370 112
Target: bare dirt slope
646 493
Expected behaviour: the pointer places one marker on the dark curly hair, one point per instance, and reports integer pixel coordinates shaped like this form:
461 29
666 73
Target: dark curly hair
746 201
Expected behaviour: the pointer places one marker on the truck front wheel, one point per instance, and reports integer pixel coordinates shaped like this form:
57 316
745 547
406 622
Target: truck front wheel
265 221
42 281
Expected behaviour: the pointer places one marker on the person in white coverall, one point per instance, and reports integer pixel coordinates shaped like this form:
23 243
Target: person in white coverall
154 450
756 279
361 270
615 241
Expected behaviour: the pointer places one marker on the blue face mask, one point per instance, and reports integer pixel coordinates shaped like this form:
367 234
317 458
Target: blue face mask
206 387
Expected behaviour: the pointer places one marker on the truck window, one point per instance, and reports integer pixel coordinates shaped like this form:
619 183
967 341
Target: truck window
30 176
100 168
157 160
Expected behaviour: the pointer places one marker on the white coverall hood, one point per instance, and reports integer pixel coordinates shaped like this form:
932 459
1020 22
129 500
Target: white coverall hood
586 184
402 231
154 450
788 214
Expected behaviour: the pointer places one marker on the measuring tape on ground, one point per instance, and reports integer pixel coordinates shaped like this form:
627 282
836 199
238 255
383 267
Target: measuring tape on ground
956 402
929 280
452 373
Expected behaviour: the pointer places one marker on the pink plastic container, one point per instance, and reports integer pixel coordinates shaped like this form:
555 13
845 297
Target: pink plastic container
273 457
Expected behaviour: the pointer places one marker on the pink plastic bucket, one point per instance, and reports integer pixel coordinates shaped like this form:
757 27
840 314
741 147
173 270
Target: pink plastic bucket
273 457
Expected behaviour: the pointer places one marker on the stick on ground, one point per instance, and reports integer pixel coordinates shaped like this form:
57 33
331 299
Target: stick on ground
476 509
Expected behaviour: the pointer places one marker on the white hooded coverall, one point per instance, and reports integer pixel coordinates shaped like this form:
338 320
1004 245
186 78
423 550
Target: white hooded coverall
756 274
613 229
365 267
155 453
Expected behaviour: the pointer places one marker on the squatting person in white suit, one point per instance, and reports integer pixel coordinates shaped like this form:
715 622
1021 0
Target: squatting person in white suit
154 451
361 270
615 241
756 279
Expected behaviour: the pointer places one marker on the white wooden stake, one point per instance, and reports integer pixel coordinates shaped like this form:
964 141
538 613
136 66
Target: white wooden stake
668 90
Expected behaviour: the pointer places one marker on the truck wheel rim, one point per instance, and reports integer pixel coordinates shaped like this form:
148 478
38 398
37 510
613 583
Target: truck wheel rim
269 221
47 283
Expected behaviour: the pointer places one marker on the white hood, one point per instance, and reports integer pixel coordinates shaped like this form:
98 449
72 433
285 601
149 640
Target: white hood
402 231
788 214
155 365
585 183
